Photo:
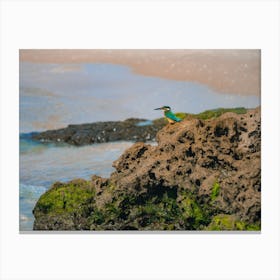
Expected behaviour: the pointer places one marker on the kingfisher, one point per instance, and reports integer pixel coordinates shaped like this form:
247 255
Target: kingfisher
168 114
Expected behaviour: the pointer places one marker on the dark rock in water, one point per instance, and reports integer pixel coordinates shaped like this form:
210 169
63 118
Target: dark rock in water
100 132
202 175
28 136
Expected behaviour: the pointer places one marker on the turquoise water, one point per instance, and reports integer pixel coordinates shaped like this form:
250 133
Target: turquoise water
43 164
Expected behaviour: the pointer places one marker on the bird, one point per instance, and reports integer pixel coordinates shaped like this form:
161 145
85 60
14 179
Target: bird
168 114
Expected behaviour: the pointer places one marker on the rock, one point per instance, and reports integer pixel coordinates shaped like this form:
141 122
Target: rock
202 175
100 132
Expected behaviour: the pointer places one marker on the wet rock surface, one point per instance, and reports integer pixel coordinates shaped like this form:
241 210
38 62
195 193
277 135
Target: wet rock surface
101 132
202 175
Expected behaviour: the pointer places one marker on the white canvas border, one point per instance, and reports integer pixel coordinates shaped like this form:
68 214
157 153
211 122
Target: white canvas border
158 24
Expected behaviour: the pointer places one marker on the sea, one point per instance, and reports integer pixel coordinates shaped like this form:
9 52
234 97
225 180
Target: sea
55 95
43 164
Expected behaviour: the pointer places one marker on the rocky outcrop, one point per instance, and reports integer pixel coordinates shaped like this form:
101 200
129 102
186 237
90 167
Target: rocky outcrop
100 132
202 175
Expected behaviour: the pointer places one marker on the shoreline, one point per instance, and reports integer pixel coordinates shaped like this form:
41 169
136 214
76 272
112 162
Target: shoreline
227 71
132 129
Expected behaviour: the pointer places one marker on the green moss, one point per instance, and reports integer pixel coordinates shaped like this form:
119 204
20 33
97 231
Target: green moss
193 214
253 227
150 209
163 211
169 212
97 217
111 211
208 114
215 191
75 204
111 187
65 198
230 222
223 222
240 225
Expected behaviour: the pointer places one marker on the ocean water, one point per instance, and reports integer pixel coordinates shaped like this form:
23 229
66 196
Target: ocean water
56 95
43 164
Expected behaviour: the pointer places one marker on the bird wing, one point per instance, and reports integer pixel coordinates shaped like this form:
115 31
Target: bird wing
171 116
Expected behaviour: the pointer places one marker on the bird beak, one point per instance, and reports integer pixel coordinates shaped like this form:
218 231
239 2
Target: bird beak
157 109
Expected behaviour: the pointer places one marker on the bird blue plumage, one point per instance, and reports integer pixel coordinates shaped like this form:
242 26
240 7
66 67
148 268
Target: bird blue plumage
168 114
171 116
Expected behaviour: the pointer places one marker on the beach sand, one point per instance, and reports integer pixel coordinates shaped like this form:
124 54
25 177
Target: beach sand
226 71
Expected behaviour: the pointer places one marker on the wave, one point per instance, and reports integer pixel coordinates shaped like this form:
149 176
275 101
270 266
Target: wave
28 196
43 164
30 192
